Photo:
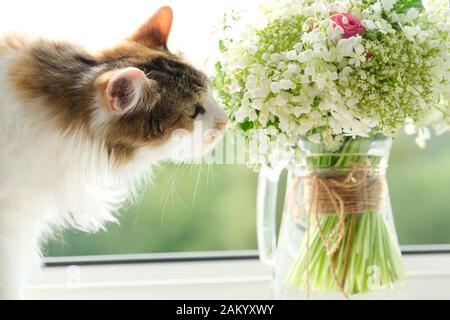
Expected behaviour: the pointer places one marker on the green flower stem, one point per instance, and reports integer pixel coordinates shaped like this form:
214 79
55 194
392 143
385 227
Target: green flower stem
374 258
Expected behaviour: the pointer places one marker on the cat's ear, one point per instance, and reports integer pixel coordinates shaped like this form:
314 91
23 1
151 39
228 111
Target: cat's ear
155 31
124 90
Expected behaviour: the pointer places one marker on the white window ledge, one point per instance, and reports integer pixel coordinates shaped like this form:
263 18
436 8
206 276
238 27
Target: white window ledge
245 278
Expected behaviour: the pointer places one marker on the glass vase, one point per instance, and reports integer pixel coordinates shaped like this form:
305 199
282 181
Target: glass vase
337 237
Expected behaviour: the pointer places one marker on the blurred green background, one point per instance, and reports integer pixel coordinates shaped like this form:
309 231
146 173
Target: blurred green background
200 208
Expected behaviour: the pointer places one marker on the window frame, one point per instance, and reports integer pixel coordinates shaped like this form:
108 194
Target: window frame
427 270
202 256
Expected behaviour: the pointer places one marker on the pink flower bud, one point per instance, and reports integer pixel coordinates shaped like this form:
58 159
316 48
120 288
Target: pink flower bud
349 23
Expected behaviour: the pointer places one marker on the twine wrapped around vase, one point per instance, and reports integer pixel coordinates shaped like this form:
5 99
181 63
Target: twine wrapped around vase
359 189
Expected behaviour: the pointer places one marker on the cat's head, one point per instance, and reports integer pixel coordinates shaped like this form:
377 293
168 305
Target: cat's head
150 99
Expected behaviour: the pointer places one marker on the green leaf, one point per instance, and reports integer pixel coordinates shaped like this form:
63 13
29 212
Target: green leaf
246 125
402 6
222 46
218 67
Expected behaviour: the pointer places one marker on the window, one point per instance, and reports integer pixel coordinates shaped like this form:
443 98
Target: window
419 182
203 208
188 208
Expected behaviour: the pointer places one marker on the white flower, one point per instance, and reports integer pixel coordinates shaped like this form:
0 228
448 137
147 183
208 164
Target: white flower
310 71
355 11
235 87
275 87
304 79
251 82
345 47
291 55
348 93
410 128
411 32
423 135
388 4
370 122
333 143
287 84
314 36
284 124
334 55
335 126
280 101
424 35
305 125
444 27
384 26
275 57
298 46
320 50
366 13
315 116
263 89
369 24
321 8
293 68
305 56
395 17
297 111
257 104
358 56
411 14
314 138
325 79
241 114
263 118
281 65
252 116
335 32
377 7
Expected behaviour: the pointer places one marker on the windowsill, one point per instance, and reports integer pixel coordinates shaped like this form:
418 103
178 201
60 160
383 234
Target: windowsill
199 277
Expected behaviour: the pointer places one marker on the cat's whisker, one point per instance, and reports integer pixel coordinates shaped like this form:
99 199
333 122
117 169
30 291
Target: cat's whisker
136 217
213 181
196 186
176 181
181 201
166 195
207 176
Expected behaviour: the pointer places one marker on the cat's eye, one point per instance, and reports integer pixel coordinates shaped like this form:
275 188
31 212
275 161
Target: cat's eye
190 111
193 110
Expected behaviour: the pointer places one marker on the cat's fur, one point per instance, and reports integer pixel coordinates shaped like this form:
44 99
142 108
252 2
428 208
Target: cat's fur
80 130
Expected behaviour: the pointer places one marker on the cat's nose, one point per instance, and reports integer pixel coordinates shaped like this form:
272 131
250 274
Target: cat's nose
220 120
220 124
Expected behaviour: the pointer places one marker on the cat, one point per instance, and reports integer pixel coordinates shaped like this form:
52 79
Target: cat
79 131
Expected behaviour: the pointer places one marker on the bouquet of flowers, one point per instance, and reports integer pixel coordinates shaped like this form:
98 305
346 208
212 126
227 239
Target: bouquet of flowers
337 74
